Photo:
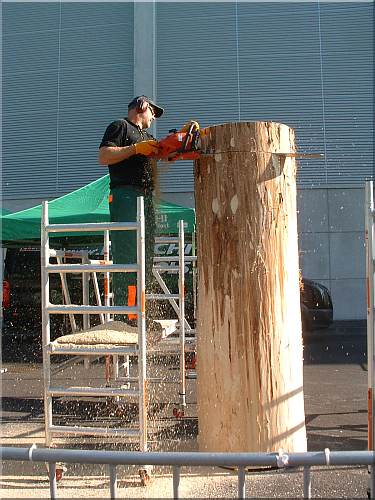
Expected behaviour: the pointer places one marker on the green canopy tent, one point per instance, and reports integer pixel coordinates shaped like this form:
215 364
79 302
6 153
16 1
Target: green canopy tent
87 204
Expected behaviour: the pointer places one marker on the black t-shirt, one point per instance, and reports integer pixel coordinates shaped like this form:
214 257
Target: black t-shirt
136 170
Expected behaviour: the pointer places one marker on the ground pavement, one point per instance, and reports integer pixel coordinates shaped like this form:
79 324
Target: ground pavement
335 384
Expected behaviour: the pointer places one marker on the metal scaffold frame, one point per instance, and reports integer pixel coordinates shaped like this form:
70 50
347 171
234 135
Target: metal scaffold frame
370 270
52 348
186 341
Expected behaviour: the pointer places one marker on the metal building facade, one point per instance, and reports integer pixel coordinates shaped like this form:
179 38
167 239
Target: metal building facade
66 68
69 69
307 64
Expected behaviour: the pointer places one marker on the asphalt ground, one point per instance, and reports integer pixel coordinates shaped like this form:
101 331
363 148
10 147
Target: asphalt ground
335 386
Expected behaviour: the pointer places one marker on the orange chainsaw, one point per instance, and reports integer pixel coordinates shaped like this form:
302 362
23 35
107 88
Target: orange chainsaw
180 145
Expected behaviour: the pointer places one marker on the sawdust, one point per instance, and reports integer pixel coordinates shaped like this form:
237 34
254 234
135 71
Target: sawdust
111 332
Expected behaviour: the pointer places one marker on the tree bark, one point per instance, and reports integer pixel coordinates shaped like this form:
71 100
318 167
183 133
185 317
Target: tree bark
249 352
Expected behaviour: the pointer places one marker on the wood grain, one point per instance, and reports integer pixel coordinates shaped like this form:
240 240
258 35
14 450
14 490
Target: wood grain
250 378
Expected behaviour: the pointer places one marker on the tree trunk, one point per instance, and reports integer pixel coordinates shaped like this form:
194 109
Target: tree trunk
249 359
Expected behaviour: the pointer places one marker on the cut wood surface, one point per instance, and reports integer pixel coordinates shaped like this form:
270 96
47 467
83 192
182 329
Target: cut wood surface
249 364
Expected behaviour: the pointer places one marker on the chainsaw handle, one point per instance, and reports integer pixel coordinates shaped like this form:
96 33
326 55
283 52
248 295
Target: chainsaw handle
192 126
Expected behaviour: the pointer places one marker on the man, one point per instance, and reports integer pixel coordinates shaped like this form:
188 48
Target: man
125 148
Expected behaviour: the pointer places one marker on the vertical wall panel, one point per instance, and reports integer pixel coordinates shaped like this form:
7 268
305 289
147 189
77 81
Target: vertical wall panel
306 64
67 72
196 72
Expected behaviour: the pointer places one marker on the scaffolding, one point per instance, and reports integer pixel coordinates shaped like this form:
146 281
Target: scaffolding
134 346
179 338
183 340
370 270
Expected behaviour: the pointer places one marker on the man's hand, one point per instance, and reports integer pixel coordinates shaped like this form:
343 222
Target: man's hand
146 148
185 127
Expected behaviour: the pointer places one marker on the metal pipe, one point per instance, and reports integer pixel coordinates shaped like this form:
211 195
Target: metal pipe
141 312
113 481
46 327
241 482
176 481
97 295
92 350
166 239
115 364
194 272
340 458
106 275
92 391
162 296
92 226
65 309
172 301
169 270
97 431
65 289
52 480
91 268
85 292
307 481
174 258
181 316
369 241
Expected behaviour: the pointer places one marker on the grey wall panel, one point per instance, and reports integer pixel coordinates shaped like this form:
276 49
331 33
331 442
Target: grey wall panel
347 257
36 16
349 299
97 14
196 72
306 64
30 52
312 210
29 154
331 244
346 210
68 72
31 93
314 255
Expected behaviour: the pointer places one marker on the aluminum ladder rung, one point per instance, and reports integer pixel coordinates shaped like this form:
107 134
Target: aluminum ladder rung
175 258
77 309
91 226
66 254
162 296
166 239
100 261
99 431
90 268
92 391
92 350
163 269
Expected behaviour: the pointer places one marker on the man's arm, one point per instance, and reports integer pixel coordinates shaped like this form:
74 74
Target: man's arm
108 155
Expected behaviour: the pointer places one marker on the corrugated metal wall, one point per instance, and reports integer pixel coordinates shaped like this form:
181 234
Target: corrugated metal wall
67 72
307 64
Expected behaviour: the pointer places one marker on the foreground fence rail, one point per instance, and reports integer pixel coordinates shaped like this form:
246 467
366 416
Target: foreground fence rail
176 460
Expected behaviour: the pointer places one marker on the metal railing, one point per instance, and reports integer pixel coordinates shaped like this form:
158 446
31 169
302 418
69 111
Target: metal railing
176 460
370 270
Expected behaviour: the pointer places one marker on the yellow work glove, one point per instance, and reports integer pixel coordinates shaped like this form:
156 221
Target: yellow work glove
146 148
187 125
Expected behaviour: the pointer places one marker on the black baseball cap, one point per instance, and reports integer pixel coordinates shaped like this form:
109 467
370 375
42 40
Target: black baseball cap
157 109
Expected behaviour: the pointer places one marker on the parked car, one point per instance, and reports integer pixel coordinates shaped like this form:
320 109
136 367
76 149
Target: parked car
316 305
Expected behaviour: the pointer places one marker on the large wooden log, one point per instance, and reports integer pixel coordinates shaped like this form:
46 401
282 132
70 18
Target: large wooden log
249 360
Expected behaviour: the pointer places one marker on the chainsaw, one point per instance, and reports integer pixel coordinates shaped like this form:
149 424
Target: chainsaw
180 145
